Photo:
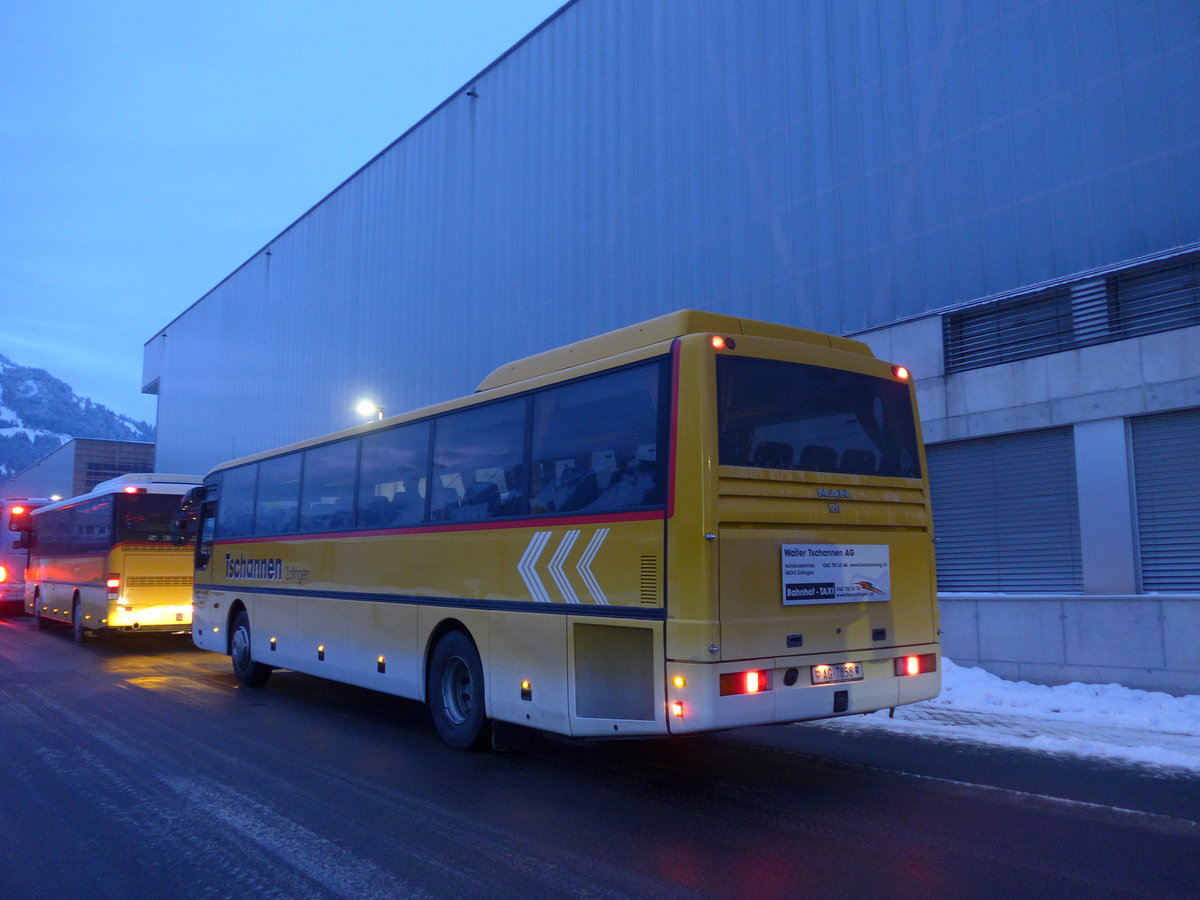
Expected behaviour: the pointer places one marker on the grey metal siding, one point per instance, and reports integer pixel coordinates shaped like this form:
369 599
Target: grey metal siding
829 165
1167 486
1006 513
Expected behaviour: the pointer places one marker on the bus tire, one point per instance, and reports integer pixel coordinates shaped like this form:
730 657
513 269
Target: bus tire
248 672
77 619
454 692
38 622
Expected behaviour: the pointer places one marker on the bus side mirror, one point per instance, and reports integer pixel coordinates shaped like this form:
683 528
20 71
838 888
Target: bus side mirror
23 542
202 558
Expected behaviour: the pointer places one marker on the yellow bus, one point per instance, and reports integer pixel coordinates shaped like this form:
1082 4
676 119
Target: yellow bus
695 523
106 560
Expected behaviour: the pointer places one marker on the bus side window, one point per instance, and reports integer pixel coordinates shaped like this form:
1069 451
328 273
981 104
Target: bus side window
277 507
235 514
595 443
207 530
479 458
327 497
391 481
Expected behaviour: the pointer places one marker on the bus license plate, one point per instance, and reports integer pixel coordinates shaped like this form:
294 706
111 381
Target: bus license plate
832 674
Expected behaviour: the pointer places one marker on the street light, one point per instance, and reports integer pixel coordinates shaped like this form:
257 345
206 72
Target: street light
369 409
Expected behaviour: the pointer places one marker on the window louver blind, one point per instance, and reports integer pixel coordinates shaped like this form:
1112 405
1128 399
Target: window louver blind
1167 480
1006 514
1139 301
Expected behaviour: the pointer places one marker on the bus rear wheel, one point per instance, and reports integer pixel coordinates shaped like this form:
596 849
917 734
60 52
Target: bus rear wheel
248 672
77 619
38 621
454 692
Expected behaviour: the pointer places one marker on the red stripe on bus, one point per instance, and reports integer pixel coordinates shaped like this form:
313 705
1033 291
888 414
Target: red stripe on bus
648 515
674 427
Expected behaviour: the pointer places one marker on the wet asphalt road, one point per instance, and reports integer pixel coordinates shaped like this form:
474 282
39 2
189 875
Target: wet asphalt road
134 766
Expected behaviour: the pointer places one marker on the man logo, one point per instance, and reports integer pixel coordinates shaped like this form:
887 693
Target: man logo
833 493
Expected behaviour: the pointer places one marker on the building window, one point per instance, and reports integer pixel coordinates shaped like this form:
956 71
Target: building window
1142 300
1006 514
1167 488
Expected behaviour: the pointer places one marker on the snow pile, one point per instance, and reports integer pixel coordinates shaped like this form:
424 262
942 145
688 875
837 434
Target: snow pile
1099 720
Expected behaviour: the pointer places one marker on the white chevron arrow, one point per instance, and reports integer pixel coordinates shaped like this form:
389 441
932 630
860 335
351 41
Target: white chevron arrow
556 567
533 552
527 567
585 563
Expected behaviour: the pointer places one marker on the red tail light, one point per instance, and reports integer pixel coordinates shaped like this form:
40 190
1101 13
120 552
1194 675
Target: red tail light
916 665
3 574
753 682
113 583
901 372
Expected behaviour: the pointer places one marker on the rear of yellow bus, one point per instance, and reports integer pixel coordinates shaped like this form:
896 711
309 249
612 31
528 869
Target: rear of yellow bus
801 560
148 578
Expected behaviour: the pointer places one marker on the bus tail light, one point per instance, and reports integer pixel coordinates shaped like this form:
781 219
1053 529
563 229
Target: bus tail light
114 587
753 682
916 665
677 709
901 372
3 574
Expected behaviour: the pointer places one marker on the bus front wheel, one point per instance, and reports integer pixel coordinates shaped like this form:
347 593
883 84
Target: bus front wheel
245 669
455 692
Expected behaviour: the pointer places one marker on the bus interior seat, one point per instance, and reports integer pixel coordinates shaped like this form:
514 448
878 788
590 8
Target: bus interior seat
815 458
480 502
444 503
577 488
858 462
773 455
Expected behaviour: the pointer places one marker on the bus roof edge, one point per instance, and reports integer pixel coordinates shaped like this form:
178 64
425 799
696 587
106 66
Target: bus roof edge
653 331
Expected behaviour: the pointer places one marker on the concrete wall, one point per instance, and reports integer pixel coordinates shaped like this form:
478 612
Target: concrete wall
1146 642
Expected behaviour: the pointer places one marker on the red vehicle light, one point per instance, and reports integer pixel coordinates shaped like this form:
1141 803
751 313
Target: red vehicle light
3 574
753 682
916 665
901 372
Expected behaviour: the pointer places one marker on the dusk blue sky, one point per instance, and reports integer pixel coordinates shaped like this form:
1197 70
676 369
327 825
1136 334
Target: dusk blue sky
149 147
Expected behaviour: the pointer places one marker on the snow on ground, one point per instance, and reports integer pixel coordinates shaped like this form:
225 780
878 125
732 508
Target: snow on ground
1098 720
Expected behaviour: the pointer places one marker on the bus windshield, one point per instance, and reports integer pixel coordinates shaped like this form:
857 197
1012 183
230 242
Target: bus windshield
147 516
782 415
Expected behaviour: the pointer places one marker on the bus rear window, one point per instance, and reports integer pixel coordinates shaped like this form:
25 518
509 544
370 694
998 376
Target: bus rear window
781 415
147 516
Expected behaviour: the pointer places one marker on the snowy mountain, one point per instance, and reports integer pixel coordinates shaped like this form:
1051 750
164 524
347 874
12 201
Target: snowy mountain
39 413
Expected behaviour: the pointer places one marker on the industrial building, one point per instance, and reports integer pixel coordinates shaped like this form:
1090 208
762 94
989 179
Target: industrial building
78 466
1004 195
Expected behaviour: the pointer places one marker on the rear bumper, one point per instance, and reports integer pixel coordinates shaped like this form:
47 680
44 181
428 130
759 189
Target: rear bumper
704 709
